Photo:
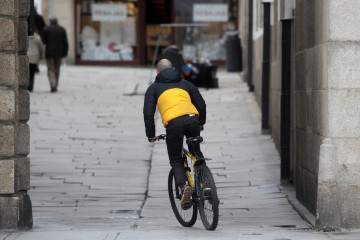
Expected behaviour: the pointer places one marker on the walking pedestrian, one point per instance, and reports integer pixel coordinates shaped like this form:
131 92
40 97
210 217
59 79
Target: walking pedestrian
55 38
35 53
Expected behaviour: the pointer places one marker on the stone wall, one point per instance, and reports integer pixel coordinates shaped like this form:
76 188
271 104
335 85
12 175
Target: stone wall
257 67
275 77
243 17
325 109
310 95
257 43
339 176
15 204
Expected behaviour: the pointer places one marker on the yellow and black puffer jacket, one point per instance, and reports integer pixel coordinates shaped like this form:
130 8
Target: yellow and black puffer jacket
174 97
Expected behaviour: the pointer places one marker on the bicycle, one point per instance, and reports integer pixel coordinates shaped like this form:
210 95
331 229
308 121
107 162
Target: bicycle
204 197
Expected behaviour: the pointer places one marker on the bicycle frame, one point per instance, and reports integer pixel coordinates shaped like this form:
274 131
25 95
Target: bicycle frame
204 195
186 165
193 159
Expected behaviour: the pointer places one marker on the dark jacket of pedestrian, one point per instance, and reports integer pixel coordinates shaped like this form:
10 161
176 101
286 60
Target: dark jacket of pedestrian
39 22
55 38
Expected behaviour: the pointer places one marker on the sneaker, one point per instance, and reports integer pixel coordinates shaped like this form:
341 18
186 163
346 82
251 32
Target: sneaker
186 197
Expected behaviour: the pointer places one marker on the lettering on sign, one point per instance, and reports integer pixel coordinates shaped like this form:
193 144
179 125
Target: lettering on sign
109 12
210 13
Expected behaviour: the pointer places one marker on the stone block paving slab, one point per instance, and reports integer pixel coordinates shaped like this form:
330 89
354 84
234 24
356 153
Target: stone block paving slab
94 175
174 232
89 156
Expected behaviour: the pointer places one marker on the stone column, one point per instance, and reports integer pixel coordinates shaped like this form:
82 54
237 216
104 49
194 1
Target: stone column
15 204
338 201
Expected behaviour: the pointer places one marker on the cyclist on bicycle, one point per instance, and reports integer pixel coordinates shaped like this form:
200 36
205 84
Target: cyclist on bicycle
183 112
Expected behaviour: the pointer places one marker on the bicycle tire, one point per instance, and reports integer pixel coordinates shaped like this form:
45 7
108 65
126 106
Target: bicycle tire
187 218
208 201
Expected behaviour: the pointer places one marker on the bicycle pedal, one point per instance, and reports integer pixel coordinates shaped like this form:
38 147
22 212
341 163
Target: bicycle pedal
207 194
186 205
206 191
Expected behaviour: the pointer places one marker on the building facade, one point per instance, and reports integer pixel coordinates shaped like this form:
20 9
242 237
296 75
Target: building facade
15 203
314 49
123 32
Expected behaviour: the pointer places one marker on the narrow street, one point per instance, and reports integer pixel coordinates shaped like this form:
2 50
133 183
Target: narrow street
95 176
90 159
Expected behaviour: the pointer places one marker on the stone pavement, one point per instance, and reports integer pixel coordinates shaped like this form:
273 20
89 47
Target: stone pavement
95 176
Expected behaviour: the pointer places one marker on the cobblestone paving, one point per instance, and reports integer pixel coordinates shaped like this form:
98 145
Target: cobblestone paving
94 175
89 157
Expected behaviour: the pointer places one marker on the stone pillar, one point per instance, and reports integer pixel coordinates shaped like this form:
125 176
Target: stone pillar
338 201
15 204
328 214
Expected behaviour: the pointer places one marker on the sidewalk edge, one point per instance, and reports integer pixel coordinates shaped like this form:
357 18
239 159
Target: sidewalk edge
290 193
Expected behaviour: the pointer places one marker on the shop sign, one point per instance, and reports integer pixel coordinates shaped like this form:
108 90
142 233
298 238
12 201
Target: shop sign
109 12
210 13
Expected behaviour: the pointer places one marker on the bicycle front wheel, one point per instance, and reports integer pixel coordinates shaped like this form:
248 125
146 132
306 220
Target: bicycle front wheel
208 202
187 218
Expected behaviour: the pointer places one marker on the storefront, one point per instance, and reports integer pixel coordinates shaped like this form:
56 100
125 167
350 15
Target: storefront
205 42
109 32
124 32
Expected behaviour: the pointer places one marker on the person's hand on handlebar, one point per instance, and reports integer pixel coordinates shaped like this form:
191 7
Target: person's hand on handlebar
153 139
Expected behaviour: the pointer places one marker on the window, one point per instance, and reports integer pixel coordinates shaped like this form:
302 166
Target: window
107 30
206 42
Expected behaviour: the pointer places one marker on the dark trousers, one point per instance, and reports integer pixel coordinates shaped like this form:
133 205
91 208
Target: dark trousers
32 70
175 132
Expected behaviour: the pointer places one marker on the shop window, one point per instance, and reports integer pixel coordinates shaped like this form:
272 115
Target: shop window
204 42
107 30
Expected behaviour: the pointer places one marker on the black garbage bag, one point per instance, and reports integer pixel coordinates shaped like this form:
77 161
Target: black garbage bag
207 74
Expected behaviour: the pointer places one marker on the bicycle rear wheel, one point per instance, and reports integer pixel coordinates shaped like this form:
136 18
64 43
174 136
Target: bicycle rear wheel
187 218
208 201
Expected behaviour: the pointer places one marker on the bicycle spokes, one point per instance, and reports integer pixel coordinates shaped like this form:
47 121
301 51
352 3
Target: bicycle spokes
188 217
205 192
208 202
177 191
